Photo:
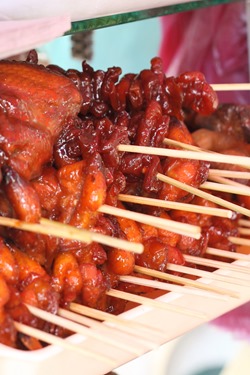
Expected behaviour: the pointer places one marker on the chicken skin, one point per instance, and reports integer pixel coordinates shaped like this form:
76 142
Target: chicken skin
35 103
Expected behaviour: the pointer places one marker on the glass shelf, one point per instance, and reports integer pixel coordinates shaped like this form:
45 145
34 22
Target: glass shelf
118 19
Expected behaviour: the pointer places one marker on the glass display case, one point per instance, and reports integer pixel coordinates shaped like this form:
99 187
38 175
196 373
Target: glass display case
143 14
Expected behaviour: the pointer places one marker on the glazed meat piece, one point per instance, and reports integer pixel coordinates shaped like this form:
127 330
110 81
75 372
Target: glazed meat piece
48 190
7 329
83 188
34 103
66 275
32 93
8 265
216 141
234 120
23 203
26 146
153 127
220 230
189 171
94 286
22 196
155 255
189 245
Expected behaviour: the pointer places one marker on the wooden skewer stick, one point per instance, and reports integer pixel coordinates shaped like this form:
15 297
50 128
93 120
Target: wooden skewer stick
205 195
118 243
186 154
183 281
100 238
54 340
107 329
244 223
229 174
53 228
79 328
175 288
63 231
216 264
117 320
239 188
245 231
185 146
212 172
231 86
170 225
207 275
232 188
214 211
227 254
228 181
239 240
178 289
49 227
154 303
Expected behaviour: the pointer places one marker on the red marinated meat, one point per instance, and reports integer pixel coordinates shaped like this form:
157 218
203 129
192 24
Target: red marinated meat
35 103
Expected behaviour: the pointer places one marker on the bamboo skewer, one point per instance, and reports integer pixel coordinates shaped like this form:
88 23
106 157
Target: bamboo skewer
232 188
212 172
228 254
231 86
170 225
117 320
94 324
205 195
185 146
207 275
186 154
216 264
229 174
244 222
47 228
228 181
154 303
57 229
117 243
176 288
245 231
101 238
182 280
79 328
214 211
54 340
239 240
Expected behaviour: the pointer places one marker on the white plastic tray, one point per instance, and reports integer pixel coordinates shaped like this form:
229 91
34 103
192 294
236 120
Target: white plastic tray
53 359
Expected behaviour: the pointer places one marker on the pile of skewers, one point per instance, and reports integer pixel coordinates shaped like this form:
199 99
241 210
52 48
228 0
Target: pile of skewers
106 198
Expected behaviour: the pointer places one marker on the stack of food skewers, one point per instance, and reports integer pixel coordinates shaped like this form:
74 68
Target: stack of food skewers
116 223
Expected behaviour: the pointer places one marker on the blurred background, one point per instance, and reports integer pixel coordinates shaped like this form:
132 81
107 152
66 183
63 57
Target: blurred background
130 46
212 40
